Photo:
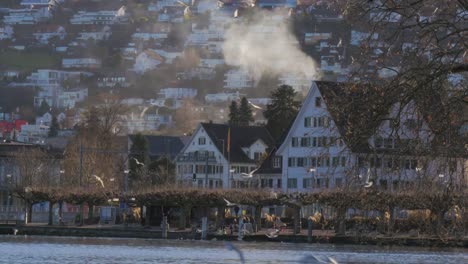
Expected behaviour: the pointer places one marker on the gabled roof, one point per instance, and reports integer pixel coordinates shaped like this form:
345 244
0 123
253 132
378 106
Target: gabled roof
355 110
160 146
241 136
267 165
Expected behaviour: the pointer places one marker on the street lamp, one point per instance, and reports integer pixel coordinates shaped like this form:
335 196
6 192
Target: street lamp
311 171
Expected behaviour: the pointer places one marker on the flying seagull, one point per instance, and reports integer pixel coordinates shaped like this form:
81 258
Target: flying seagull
368 182
99 180
340 43
272 233
228 203
230 246
250 174
138 162
52 5
254 106
311 259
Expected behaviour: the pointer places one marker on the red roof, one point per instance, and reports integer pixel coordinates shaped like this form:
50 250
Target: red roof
7 127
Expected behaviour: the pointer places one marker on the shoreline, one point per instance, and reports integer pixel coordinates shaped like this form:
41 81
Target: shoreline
144 233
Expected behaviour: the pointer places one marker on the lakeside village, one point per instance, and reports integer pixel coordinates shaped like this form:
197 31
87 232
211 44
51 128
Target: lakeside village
326 121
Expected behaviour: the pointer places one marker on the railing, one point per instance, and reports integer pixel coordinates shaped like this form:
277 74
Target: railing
196 159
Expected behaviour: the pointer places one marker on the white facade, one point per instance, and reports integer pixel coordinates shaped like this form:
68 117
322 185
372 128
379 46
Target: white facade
26 16
178 93
147 36
104 17
202 159
6 32
161 4
103 34
222 97
68 99
43 37
33 134
91 63
211 63
238 79
314 156
147 61
169 56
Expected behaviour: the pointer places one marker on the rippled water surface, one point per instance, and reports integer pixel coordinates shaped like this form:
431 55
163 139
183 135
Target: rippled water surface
20 249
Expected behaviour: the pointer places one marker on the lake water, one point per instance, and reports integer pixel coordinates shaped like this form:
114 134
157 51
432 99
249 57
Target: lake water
22 250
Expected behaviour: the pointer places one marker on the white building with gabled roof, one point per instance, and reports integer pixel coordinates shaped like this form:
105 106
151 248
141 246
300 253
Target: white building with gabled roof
339 139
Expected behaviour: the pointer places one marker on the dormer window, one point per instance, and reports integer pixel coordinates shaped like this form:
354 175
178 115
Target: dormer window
318 101
276 162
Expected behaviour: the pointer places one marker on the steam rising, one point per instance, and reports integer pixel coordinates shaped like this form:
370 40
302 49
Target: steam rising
266 45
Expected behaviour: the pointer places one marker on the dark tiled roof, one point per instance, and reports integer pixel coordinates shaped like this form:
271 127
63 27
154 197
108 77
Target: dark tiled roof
241 136
267 165
160 146
357 110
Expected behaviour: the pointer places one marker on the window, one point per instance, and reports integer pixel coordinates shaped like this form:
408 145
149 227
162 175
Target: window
201 141
343 161
308 122
294 142
300 162
307 183
257 156
292 162
411 164
335 161
384 184
313 162
278 183
338 182
318 102
388 143
305 142
276 162
332 141
292 183
378 142
314 142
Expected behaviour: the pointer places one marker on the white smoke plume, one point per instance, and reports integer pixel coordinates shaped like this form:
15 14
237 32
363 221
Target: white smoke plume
266 45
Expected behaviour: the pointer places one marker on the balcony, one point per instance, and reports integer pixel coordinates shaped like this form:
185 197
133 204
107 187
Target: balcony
193 158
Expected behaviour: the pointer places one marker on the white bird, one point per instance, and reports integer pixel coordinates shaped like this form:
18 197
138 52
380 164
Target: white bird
99 180
250 174
15 231
368 182
340 43
311 259
228 203
273 195
230 246
254 105
138 162
272 233
236 13
142 114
